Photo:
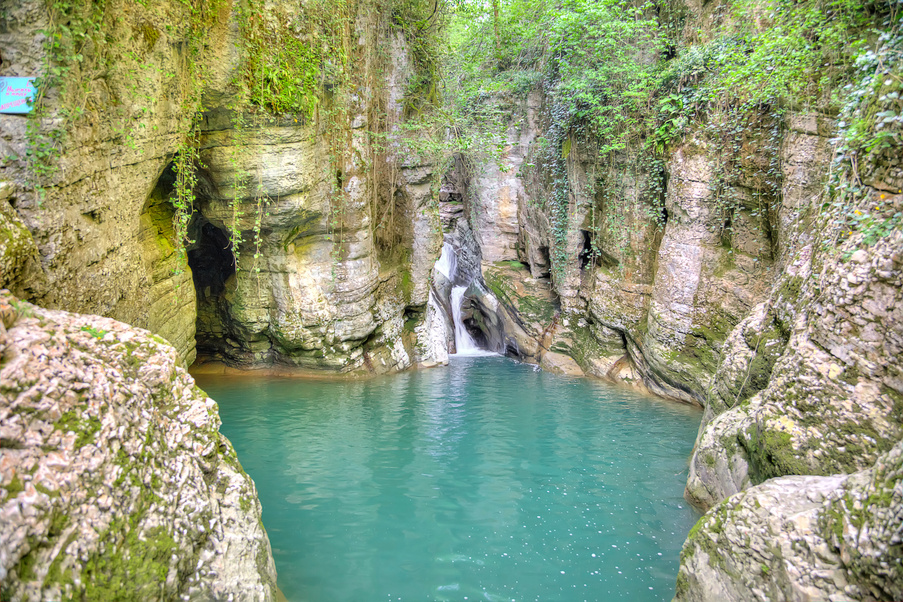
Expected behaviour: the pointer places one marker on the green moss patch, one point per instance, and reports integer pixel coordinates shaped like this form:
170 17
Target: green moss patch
132 567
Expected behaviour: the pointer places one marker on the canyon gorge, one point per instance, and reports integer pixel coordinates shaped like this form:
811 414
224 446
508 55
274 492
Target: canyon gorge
236 187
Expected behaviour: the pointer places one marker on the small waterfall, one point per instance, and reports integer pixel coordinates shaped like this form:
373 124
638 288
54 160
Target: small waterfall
448 262
464 343
447 265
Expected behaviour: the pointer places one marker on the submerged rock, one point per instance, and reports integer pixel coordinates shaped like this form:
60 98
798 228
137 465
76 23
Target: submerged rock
115 482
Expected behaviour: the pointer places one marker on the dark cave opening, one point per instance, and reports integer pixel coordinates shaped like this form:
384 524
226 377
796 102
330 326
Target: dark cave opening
212 265
210 257
587 254
543 267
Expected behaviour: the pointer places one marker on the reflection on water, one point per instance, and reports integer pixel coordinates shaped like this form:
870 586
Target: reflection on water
481 481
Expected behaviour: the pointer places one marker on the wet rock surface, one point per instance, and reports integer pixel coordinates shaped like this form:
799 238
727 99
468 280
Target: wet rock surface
115 482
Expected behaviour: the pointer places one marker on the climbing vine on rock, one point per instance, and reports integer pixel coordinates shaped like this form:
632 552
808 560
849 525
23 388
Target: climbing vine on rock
183 198
861 200
91 72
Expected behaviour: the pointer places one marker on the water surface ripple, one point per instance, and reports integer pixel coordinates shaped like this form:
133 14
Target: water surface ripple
481 481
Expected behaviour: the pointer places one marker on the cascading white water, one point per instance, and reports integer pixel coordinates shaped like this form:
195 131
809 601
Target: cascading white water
464 343
447 265
448 262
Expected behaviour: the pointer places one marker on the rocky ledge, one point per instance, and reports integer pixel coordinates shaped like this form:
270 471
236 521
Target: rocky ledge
115 483
802 538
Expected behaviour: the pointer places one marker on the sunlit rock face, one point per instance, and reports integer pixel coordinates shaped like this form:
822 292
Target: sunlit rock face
499 190
305 289
115 482
707 279
652 271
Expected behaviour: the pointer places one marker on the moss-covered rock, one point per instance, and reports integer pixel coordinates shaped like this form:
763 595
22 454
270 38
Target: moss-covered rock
115 483
802 537
18 253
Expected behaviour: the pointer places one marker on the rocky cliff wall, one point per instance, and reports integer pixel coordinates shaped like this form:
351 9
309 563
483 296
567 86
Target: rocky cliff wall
651 270
115 482
810 382
102 246
327 217
756 273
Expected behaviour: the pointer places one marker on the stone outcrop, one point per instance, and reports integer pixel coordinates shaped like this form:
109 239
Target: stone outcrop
829 404
498 189
702 287
115 482
811 380
653 272
811 385
802 538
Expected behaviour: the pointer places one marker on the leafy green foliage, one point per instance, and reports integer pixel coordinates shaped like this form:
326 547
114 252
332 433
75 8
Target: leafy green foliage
776 51
290 59
596 64
870 135
625 81
97 333
73 26
88 51
184 166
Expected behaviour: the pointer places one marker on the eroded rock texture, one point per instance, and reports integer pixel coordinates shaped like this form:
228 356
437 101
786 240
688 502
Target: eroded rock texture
811 381
802 538
115 483
789 338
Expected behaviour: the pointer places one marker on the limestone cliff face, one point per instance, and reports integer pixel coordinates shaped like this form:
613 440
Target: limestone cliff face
810 383
316 289
498 188
115 482
715 277
103 247
304 198
654 276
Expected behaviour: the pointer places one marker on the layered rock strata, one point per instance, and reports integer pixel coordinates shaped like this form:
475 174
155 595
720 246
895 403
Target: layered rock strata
311 239
99 250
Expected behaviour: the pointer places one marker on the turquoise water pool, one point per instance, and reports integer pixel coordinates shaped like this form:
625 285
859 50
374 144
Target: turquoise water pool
484 480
